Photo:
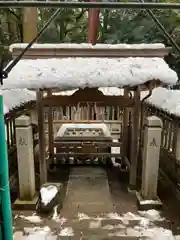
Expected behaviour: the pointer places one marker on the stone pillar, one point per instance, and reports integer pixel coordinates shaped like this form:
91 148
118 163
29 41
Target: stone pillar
151 154
26 171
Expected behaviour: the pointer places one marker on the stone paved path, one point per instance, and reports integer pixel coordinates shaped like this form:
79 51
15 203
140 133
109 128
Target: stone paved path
88 212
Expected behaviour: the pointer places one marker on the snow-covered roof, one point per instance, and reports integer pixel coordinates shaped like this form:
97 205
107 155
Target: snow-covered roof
165 99
71 73
87 45
16 97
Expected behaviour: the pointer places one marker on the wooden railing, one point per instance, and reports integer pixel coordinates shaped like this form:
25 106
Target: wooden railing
10 134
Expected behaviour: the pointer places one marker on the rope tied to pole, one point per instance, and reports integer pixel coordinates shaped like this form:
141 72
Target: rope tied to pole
5 187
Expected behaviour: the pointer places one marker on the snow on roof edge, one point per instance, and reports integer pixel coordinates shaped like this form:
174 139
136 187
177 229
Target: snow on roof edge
161 98
72 73
87 45
166 100
13 98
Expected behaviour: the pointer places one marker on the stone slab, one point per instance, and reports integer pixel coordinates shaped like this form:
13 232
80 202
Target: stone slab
144 205
88 192
26 205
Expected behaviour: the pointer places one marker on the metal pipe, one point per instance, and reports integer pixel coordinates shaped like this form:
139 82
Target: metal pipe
4 181
161 28
141 120
93 25
108 5
148 95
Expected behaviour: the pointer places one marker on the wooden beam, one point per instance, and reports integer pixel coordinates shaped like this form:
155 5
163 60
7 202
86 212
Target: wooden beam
85 121
88 155
135 139
62 52
56 101
125 125
50 129
42 155
82 143
84 138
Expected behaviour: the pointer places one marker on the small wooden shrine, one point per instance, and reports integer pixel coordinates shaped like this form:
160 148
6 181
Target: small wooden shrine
52 68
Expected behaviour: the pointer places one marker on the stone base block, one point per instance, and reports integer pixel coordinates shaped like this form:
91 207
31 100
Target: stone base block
57 200
145 205
26 205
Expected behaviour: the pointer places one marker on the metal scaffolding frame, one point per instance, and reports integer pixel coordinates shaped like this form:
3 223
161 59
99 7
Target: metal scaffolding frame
162 29
109 5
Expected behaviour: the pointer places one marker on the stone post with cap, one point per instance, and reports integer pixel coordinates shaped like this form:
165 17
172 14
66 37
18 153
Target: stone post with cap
25 156
147 197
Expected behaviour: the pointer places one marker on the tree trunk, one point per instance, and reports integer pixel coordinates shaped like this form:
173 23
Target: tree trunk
29 24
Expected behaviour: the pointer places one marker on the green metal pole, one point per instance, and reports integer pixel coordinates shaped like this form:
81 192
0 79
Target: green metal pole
4 180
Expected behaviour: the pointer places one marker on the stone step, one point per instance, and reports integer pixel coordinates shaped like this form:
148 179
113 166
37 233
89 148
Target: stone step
65 233
19 236
98 237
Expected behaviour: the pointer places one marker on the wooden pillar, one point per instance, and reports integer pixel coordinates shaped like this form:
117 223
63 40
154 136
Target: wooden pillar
29 24
50 129
125 125
42 155
134 139
176 142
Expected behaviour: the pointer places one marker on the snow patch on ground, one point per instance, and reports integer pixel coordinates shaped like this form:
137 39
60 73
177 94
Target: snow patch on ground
33 219
37 230
83 216
145 224
95 224
152 215
68 231
57 218
35 233
142 224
